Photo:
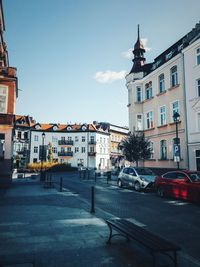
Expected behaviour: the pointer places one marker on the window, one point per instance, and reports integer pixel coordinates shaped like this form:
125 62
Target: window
76 138
175 108
3 99
139 124
152 150
163 149
174 76
34 160
69 149
19 134
54 139
91 149
62 150
35 138
35 150
83 138
197 154
62 138
83 149
138 94
198 56
148 90
161 83
149 120
170 175
198 87
162 115
76 149
198 122
54 149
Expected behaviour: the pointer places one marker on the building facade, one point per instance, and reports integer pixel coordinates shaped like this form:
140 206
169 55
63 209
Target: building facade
8 95
156 92
192 96
78 145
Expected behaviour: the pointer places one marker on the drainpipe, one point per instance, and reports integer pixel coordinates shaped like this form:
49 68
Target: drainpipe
185 112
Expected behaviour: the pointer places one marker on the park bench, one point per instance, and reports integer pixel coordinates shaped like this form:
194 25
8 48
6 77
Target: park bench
152 242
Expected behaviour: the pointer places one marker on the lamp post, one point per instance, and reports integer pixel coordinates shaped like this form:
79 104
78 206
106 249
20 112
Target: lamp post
42 159
176 118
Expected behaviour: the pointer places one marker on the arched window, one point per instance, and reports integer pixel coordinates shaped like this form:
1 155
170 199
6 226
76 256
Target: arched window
163 149
174 76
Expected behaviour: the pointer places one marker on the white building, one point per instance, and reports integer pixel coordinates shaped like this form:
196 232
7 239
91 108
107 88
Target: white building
78 145
192 95
156 91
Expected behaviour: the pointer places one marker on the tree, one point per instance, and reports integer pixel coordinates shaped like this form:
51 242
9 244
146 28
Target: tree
136 147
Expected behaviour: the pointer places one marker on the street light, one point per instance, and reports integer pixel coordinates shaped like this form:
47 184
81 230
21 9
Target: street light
176 118
42 159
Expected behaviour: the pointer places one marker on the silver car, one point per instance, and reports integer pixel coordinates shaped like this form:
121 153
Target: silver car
136 177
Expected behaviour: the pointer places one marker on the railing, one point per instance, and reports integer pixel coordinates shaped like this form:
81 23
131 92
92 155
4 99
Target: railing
92 142
65 154
93 154
66 142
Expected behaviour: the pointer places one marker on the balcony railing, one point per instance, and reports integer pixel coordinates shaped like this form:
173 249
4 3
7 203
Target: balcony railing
65 154
66 142
92 154
92 142
23 152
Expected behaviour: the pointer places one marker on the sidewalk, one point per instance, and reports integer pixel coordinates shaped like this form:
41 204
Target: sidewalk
42 227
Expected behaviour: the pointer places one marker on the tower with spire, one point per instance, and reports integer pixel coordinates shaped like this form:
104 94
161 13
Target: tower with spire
138 52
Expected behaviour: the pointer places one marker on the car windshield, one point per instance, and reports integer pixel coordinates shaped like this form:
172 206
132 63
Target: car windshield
144 171
194 176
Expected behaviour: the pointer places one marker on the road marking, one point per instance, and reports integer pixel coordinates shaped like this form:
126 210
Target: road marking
177 202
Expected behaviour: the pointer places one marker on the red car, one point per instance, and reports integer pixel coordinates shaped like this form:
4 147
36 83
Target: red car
180 184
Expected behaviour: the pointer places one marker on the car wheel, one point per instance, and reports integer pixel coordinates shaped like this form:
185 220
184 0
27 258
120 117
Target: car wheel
119 182
160 192
137 186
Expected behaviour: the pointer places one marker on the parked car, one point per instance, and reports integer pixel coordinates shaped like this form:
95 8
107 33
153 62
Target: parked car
179 184
136 177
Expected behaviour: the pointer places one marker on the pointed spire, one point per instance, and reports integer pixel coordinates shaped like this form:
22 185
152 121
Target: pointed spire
138 31
139 59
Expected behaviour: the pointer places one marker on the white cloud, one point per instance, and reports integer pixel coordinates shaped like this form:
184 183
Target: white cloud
109 76
129 54
145 41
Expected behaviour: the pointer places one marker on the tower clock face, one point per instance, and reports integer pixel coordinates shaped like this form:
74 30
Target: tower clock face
84 127
54 128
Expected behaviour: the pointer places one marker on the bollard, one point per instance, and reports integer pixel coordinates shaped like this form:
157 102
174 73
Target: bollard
61 182
95 176
92 200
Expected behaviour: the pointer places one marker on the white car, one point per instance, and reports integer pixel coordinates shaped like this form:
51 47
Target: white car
136 177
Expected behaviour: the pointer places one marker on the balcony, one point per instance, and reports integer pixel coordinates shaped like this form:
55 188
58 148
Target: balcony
92 154
65 154
23 152
66 142
92 142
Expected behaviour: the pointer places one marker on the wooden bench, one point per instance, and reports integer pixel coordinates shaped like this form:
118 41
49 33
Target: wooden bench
152 242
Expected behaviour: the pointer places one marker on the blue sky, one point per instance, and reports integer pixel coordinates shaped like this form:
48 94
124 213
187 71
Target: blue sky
72 55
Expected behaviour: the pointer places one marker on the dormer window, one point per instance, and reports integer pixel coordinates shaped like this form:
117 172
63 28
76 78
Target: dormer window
37 126
55 127
69 128
84 127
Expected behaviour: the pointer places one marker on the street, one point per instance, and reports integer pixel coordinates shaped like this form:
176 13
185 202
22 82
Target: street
177 221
